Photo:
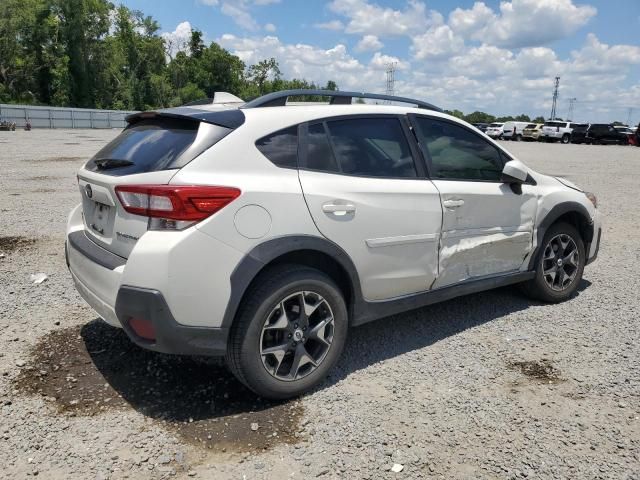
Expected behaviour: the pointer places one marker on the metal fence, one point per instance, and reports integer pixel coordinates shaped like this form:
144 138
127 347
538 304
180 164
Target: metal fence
61 117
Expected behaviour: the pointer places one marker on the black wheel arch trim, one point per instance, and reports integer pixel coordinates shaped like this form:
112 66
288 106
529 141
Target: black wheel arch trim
554 214
264 253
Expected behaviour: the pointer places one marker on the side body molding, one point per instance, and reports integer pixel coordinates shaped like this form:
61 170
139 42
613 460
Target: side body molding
361 310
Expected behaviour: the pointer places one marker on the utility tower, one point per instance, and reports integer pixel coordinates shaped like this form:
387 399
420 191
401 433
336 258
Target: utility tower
629 116
572 102
555 99
391 78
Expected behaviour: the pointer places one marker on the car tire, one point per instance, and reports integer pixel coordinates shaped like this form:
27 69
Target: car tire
262 352
565 138
518 138
548 285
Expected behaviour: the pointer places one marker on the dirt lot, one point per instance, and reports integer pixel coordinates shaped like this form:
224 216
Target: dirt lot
486 386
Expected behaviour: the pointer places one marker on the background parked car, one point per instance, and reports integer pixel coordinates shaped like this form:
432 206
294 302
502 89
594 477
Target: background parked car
532 131
628 131
7 126
481 126
553 130
602 133
513 130
495 130
579 133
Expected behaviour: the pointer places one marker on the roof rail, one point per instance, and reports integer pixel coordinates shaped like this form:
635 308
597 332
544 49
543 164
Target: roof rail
279 99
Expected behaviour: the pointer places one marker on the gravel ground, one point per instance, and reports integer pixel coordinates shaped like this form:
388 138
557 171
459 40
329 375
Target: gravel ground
486 386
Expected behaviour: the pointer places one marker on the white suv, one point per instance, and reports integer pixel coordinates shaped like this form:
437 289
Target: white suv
553 130
263 233
495 130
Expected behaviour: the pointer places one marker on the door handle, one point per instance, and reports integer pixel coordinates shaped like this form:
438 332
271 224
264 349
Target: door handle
453 203
338 209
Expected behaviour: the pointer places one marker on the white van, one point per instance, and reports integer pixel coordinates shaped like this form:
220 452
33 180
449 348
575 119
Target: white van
513 130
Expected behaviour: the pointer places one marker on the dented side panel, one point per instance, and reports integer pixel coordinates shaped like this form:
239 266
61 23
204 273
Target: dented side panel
487 229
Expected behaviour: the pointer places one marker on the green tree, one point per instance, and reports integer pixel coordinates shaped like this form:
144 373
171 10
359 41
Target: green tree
479 117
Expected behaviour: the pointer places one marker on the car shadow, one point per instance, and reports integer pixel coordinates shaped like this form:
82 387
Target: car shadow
400 334
185 389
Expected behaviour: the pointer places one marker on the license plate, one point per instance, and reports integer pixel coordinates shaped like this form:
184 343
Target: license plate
100 218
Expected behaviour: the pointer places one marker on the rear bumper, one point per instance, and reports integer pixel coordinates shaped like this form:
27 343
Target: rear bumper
116 304
100 278
556 135
170 336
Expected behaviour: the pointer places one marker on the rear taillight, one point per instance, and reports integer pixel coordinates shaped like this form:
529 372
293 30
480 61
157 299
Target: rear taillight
177 206
143 328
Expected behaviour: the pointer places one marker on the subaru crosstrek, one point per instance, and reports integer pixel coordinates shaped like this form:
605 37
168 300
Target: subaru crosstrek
262 233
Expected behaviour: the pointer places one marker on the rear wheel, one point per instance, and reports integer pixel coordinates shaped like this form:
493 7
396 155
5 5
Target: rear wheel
289 333
518 138
565 138
559 265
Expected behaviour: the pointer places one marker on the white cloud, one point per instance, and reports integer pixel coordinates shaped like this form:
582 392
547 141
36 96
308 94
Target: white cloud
436 43
597 57
521 23
240 14
240 11
468 22
178 40
270 27
332 25
368 43
380 61
368 18
309 62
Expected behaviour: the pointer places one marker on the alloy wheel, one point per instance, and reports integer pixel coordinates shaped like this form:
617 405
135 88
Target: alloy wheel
560 262
296 335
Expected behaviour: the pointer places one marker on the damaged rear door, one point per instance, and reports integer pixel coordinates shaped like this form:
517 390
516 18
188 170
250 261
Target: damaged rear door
487 228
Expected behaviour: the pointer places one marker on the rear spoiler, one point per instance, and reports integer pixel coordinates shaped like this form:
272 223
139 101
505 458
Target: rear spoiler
232 118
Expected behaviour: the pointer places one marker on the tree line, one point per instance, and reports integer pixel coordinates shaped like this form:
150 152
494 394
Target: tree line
482 117
93 54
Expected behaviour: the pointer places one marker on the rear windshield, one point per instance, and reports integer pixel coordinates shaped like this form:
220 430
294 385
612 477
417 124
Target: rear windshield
496 124
554 124
155 144
531 125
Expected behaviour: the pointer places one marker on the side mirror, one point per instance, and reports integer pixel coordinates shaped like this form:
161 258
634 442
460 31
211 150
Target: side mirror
514 172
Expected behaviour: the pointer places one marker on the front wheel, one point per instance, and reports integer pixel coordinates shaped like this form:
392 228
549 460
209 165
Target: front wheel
289 332
559 265
565 139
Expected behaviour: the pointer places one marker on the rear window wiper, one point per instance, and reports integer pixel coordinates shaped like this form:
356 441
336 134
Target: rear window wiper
106 163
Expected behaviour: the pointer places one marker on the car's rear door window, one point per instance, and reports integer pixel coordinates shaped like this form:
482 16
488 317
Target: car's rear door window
371 147
319 154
